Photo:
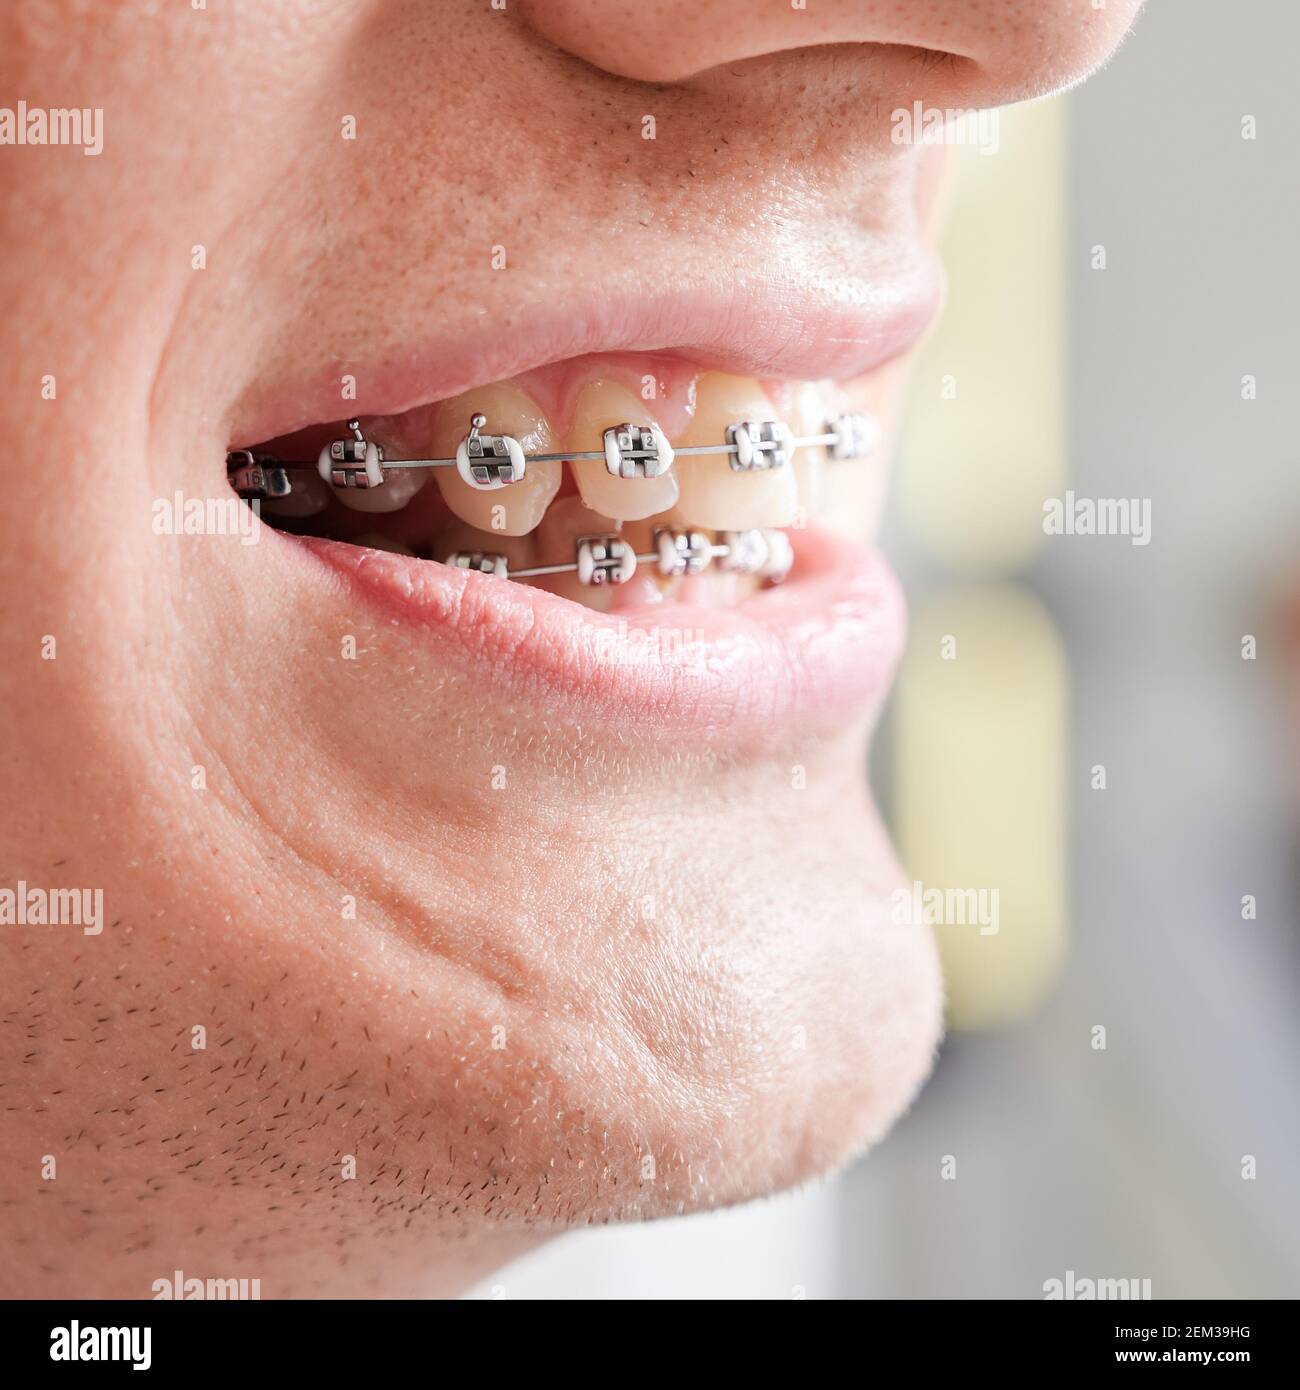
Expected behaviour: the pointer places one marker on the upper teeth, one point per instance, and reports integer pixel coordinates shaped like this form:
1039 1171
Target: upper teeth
731 465
490 461
354 462
759 444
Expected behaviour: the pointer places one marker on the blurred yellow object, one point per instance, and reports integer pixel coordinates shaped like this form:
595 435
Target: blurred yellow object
979 740
980 731
986 437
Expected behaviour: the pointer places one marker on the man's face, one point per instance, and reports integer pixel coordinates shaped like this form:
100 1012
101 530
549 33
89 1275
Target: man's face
444 911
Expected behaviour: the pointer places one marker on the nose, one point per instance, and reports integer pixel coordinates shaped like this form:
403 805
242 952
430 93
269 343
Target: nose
951 52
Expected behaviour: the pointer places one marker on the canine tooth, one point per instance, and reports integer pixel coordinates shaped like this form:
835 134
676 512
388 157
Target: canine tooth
516 508
489 461
712 493
602 406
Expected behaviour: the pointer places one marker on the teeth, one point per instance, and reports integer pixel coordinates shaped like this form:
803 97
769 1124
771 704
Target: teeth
603 405
712 493
391 495
557 544
768 554
513 510
810 463
568 519
682 552
633 499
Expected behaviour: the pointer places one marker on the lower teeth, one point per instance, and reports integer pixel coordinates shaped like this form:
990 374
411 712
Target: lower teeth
610 559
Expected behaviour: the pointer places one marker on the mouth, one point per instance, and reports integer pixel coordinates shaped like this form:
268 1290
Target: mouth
633 532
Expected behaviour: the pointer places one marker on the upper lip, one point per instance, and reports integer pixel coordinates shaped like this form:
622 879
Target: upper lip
779 322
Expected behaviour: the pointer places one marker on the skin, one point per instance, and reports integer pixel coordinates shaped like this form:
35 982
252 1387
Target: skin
636 950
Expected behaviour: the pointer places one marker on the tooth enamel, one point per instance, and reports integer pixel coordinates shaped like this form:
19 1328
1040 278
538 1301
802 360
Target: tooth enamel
489 461
602 406
352 466
517 508
568 519
397 489
810 461
712 493
849 493
565 524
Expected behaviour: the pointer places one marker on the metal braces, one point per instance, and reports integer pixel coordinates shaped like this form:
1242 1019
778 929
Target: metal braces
490 461
610 559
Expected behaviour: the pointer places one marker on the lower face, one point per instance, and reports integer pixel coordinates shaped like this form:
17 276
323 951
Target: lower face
499 906
620 884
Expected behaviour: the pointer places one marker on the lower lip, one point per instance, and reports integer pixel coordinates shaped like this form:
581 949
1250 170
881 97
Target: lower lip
818 650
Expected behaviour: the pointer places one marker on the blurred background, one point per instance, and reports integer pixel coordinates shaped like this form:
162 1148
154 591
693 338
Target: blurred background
1103 731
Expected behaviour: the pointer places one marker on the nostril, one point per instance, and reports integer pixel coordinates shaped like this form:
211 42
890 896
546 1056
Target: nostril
977 52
